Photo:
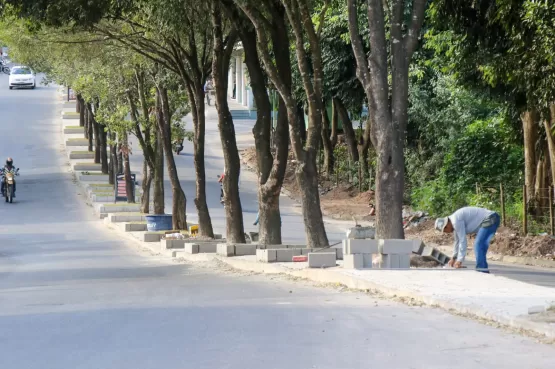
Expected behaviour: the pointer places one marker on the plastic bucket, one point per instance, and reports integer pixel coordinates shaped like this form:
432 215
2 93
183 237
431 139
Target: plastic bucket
155 223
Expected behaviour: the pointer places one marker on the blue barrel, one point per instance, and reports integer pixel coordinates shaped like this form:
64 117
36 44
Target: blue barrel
161 222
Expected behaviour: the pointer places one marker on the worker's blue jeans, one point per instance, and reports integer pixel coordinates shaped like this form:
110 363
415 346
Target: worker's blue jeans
481 245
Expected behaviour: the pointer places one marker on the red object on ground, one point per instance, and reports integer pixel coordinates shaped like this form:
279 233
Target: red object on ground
300 258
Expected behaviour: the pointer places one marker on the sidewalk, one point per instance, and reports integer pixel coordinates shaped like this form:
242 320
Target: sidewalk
490 297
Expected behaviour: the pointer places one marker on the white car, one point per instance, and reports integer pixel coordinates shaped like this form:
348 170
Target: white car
21 76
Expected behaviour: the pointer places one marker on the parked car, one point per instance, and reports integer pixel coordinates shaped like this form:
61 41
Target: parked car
22 76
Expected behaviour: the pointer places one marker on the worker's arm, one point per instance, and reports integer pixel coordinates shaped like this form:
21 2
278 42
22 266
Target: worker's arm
455 246
461 237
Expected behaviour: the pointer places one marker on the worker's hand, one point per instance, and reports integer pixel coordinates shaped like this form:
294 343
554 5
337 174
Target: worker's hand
451 262
458 265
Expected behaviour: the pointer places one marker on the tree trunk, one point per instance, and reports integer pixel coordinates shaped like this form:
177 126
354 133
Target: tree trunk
113 167
548 124
387 112
271 170
158 175
81 110
196 97
96 129
129 184
350 136
179 203
334 124
301 123
145 197
326 144
90 128
530 130
120 159
86 122
235 232
103 148
306 172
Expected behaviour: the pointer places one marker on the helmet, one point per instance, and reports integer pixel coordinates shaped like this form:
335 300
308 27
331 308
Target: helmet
9 161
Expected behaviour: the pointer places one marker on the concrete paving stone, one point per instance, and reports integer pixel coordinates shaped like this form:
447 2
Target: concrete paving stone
417 246
72 130
78 142
172 244
207 247
134 227
395 246
266 256
360 246
81 155
285 255
245 249
117 208
118 218
86 167
152 237
353 261
223 249
321 259
390 261
191 248
404 261
94 178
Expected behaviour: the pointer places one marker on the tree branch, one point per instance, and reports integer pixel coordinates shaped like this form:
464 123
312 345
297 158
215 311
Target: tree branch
417 19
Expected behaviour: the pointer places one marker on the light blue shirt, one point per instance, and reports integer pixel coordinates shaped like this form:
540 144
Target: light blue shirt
466 221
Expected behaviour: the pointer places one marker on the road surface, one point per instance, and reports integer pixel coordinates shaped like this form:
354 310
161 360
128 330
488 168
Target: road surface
74 296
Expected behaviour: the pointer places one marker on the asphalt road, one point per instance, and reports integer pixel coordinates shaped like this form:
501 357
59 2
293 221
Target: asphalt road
74 296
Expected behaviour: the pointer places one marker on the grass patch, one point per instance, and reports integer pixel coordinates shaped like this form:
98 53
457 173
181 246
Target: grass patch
101 185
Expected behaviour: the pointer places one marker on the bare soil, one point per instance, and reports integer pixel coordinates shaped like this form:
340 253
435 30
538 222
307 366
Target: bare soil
345 202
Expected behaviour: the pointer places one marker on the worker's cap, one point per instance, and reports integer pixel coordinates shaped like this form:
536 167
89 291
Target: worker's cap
441 223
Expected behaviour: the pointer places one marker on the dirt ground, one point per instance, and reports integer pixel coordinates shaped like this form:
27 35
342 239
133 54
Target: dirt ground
345 202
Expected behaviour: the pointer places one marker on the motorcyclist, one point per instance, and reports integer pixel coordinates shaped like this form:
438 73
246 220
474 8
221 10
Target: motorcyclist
8 167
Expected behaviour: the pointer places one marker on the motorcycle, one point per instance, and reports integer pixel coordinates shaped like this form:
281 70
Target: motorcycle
178 147
5 68
8 177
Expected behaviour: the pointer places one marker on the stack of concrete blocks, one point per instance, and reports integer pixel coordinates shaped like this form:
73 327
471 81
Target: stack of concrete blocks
201 247
285 253
358 253
390 254
394 254
240 249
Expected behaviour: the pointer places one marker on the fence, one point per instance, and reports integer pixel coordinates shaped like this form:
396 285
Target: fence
522 209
